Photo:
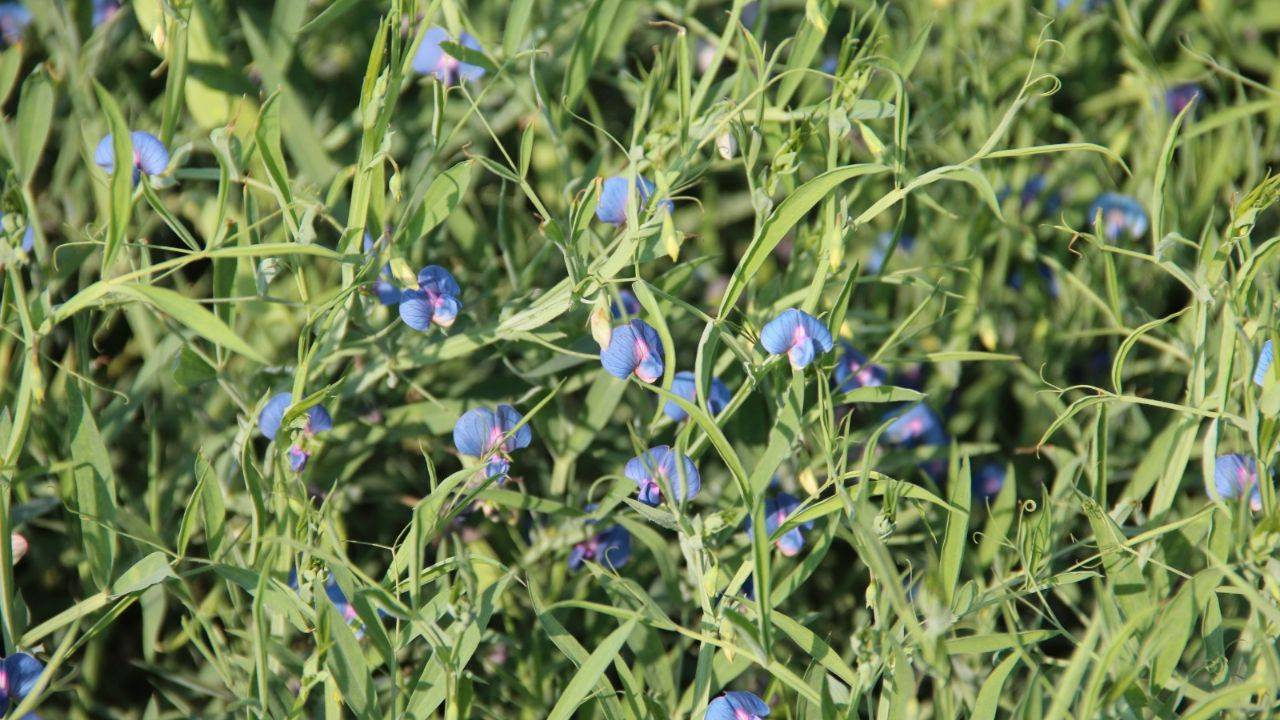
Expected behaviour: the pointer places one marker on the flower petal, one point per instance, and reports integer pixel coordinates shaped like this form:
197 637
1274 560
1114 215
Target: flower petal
619 357
272 414
427 59
318 420
416 310
754 706
683 385
472 431
435 279
150 155
1265 358
467 71
21 672
509 418
445 310
614 547
611 206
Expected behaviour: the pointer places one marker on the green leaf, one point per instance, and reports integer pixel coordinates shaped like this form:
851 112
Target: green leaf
346 662
590 672
789 212
443 195
191 314
957 530
95 486
148 571
191 370
121 182
35 116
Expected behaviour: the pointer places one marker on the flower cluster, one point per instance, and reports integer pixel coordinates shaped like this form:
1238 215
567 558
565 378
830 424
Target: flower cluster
317 421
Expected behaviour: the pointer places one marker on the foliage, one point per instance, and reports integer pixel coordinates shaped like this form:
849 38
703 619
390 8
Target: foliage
1040 235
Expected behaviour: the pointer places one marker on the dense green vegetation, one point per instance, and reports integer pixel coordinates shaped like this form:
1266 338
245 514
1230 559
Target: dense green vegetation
598 358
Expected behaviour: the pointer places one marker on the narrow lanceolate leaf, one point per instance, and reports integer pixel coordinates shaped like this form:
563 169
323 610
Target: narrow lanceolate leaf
35 114
94 486
191 314
121 180
590 671
957 533
1128 587
789 212
148 571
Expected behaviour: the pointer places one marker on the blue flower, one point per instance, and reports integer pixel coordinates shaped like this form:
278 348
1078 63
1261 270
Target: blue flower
1180 96
634 348
798 334
737 705
1265 358
18 675
318 419
853 371
491 435
149 154
988 481
611 548
880 249
1120 214
1234 475
14 19
916 426
776 511
386 290
659 463
685 385
298 458
334 593
1086 5
435 300
104 10
431 59
626 306
612 206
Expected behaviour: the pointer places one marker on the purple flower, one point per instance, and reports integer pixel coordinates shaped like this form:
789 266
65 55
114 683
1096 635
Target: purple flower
988 482
18 675
611 548
149 154
916 426
1234 475
491 436
431 59
798 334
634 348
104 10
14 19
435 300
659 463
776 511
298 458
853 371
1121 214
1180 96
685 385
626 306
386 291
318 419
612 206
737 705
1265 358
